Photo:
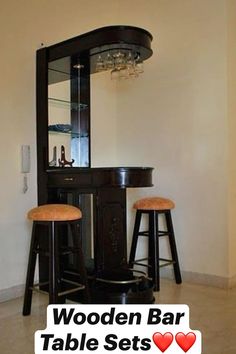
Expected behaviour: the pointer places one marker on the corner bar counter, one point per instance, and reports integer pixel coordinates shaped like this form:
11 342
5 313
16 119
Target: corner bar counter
113 177
63 90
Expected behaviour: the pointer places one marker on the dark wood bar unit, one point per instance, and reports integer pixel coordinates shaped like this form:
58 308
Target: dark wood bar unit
63 126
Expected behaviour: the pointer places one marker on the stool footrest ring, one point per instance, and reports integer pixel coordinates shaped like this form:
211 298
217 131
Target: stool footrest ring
137 279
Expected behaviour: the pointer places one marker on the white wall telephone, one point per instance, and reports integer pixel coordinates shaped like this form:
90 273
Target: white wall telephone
25 164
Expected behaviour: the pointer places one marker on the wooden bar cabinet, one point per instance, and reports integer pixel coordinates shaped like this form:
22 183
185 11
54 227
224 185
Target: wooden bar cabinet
65 174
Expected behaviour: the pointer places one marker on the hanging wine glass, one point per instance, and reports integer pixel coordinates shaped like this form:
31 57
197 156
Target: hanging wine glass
139 67
131 65
119 60
130 60
109 62
100 64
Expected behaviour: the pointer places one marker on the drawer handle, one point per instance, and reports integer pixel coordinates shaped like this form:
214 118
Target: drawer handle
68 179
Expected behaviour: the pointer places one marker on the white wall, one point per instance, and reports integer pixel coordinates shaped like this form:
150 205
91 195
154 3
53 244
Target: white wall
179 124
103 121
231 46
174 118
24 26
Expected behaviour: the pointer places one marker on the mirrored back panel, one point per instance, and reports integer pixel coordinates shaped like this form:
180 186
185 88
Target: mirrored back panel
68 115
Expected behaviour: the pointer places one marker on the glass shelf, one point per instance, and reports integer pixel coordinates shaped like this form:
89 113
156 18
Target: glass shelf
68 104
71 134
55 76
61 71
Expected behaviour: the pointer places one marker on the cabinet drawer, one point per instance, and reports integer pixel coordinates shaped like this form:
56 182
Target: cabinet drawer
67 179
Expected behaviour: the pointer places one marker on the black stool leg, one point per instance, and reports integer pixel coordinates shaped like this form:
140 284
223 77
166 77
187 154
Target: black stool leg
53 264
80 257
135 238
30 272
153 250
173 248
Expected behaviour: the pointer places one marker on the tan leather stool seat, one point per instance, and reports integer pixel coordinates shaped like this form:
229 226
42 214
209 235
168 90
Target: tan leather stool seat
154 203
54 212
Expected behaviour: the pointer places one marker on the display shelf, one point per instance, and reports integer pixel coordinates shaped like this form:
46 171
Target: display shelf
68 104
73 135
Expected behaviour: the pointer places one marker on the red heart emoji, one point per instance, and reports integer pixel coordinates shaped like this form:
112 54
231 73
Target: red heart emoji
185 341
162 341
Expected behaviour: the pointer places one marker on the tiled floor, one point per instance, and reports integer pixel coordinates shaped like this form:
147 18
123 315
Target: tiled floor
212 311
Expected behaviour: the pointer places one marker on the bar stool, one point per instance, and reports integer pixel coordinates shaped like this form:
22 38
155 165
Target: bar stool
54 216
155 206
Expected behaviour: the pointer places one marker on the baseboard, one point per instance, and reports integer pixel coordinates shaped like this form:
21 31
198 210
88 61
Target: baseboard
202 279
191 277
11 293
232 282
206 279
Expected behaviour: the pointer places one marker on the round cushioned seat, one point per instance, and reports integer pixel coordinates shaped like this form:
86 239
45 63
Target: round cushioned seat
54 212
154 203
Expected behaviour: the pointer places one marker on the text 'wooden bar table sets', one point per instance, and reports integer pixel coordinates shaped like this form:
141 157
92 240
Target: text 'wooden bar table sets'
65 175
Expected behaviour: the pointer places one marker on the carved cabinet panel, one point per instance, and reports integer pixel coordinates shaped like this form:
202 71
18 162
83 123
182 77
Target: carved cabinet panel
110 241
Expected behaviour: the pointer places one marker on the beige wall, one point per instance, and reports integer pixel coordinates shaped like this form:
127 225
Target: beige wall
173 118
103 120
24 26
231 45
179 125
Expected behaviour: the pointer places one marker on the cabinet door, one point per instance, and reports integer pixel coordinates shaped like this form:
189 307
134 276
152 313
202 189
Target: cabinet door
110 239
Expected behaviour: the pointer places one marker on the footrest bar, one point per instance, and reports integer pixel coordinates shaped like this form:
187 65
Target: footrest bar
141 259
142 264
167 262
143 233
80 287
163 233
36 286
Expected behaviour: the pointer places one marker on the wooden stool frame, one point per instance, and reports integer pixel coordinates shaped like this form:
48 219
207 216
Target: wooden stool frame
153 233
54 272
